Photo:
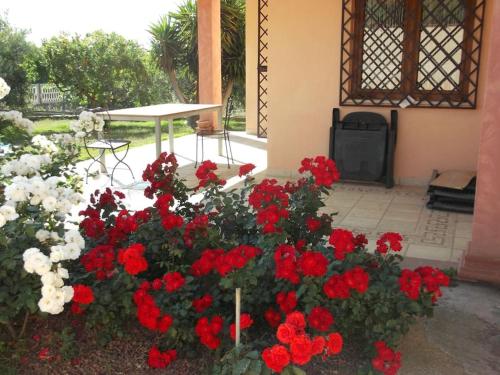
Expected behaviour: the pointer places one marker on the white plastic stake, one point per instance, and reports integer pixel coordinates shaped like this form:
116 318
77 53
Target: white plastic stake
238 314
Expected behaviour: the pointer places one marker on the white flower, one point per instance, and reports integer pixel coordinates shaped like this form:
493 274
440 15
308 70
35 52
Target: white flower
57 253
68 293
52 279
3 220
9 212
36 262
62 272
74 236
16 192
49 203
42 235
16 118
87 122
4 88
44 143
53 304
71 251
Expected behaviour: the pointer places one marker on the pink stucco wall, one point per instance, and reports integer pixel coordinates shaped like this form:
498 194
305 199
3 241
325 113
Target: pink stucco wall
304 74
482 260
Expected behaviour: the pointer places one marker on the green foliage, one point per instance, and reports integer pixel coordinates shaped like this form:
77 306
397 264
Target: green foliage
15 54
100 69
175 47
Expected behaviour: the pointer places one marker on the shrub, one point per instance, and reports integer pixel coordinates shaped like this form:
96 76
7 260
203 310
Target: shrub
305 287
39 189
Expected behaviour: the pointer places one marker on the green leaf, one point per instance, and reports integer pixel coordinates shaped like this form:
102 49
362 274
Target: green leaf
241 366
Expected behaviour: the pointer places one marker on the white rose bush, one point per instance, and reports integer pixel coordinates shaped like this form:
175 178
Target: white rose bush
87 123
38 190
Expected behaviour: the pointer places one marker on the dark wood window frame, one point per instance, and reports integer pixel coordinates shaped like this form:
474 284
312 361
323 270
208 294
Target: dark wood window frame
464 92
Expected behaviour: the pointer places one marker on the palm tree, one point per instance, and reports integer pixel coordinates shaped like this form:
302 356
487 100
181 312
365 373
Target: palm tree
175 48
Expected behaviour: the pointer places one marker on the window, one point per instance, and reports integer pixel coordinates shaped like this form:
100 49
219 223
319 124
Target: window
421 53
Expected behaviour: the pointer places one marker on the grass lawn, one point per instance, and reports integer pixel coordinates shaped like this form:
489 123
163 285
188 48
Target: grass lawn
139 132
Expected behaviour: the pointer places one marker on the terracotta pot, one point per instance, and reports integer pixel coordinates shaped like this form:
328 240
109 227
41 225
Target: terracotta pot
204 127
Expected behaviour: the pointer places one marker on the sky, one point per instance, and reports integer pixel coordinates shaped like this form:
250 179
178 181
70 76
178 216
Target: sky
47 18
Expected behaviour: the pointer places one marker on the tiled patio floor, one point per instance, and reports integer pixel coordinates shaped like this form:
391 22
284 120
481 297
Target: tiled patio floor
428 234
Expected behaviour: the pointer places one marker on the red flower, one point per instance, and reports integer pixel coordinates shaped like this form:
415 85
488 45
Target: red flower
313 224
205 174
318 345
246 169
76 308
410 283
357 278
161 175
297 320
82 294
313 263
276 358
164 323
394 241
432 279
201 304
132 259
207 331
286 263
343 242
336 287
157 359
170 221
157 284
272 317
301 349
287 301
320 319
387 361
334 343
100 260
246 321
173 281
285 333
44 354
93 227
323 170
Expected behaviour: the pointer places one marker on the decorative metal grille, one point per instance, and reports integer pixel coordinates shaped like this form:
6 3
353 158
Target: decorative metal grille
262 74
411 53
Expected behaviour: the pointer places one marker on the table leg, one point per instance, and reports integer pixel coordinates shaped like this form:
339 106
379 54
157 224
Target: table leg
220 126
102 158
171 135
158 136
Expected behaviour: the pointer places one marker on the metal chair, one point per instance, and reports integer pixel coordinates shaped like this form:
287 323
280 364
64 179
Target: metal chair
218 134
102 143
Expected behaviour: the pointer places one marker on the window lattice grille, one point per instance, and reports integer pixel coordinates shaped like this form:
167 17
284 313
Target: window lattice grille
404 52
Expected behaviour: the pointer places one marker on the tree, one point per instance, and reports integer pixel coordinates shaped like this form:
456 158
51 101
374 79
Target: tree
175 47
15 51
101 69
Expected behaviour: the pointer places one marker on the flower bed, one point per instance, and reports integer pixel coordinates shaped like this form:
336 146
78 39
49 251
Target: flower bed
306 288
179 267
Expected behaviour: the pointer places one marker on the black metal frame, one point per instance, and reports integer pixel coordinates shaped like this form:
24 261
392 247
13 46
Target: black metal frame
220 134
262 62
102 151
392 134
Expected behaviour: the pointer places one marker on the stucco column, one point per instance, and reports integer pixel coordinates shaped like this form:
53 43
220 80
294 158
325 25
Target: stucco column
482 259
209 56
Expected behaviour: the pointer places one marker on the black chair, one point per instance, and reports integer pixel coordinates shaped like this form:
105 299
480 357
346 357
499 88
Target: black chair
363 145
218 134
102 143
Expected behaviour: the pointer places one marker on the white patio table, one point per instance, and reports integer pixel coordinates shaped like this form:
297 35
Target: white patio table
160 112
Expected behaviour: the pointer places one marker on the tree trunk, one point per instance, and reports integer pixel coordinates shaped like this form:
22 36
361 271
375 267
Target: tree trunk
175 85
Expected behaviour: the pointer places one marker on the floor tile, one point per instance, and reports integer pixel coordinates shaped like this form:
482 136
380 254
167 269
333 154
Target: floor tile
429 252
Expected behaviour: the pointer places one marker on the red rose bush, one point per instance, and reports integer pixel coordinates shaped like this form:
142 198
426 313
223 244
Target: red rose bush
307 288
